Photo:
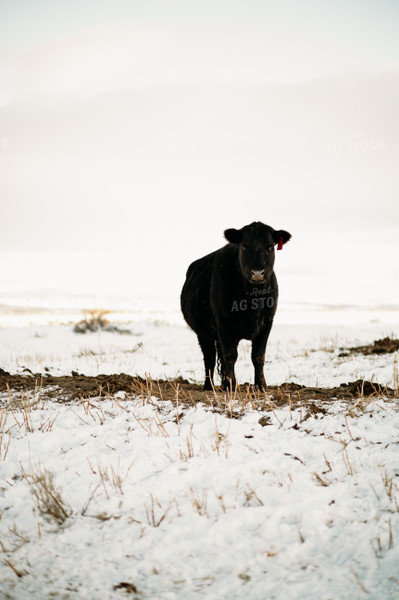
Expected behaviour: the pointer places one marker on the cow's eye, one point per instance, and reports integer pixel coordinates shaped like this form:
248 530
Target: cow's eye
244 247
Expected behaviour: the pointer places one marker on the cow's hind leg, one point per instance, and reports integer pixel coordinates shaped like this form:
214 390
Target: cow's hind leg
208 347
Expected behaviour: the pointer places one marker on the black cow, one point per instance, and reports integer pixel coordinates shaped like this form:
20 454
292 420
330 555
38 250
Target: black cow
230 295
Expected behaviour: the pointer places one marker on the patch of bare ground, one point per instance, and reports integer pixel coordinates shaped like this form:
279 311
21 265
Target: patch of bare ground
386 345
76 387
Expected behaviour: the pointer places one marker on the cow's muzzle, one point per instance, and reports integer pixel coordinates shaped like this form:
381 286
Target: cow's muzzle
257 275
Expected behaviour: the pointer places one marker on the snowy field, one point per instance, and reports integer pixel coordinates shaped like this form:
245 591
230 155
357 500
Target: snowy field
123 496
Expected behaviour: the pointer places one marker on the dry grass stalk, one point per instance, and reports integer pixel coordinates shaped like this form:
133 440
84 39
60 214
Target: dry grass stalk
374 490
21 409
395 375
220 499
14 531
143 388
17 541
160 426
301 538
390 539
116 401
200 501
347 462
185 456
21 540
177 410
250 495
218 440
5 437
99 413
3 420
114 476
103 478
273 407
329 467
300 407
390 485
359 581
88 502
48 424
320 480
17 572
349 431
378 550
147 428
153 519
48 499
272 552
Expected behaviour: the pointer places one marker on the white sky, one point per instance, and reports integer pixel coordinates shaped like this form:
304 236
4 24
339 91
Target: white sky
146 128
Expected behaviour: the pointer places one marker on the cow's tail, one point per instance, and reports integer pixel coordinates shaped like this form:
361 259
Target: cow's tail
219 362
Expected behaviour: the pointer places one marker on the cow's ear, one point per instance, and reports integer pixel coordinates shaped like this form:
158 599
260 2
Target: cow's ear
281 235
234 236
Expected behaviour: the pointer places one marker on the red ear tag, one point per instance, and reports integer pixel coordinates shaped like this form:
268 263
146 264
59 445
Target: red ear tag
280 244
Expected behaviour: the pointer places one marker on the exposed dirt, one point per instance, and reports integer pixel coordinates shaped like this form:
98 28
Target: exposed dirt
385 346
79 387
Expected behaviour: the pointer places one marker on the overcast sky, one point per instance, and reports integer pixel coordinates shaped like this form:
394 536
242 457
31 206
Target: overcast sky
147 128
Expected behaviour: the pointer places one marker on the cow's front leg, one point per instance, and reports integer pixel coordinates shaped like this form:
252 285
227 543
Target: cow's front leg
258 356
230 359
209 351
228 347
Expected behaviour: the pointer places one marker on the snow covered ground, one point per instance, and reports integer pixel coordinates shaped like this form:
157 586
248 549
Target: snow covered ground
142 498
303 347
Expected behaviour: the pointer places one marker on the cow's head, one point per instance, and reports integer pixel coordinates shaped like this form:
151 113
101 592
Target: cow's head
255 244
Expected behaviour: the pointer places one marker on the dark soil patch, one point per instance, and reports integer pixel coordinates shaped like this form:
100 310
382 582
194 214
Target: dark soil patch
385 346
79 387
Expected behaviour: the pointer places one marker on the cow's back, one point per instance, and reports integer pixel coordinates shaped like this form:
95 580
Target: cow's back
195 296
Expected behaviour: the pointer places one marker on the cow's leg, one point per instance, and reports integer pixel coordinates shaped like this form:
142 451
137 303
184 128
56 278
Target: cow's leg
228 358
258 355
209 351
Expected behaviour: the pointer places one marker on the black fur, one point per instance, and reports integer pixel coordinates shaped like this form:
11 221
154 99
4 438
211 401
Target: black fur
230 295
